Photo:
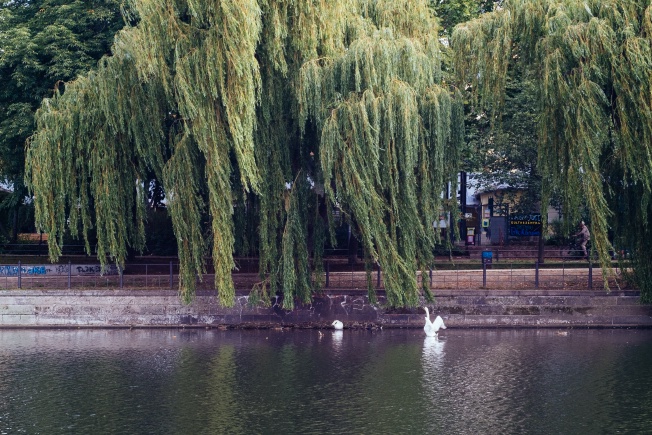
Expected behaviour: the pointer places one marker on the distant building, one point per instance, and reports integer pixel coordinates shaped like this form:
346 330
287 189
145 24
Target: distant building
495 203
500 200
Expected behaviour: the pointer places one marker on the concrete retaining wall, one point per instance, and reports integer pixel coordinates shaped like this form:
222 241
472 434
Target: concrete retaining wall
470 308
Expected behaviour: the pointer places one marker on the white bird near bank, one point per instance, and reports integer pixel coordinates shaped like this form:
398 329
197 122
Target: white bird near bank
432 328
338 325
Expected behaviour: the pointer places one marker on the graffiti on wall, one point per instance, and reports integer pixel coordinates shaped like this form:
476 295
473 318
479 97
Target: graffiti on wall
58 270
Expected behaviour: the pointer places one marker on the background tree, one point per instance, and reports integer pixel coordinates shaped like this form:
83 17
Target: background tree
42 42
454 12
503 149
258 116
591 61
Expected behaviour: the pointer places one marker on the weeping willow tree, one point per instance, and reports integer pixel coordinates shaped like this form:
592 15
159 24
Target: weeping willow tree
592 61
257 117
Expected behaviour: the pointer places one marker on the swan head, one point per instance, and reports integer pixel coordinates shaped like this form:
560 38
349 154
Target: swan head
337 324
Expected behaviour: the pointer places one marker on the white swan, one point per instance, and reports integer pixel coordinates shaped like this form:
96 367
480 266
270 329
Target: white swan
338 325
431 328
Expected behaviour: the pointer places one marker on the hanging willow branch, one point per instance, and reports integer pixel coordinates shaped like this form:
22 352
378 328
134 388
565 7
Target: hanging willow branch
194 59
386 129
593 63
231 101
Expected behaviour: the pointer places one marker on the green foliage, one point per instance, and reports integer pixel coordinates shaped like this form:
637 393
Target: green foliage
454 12
503 151
591 61
42 42
248 112
389 141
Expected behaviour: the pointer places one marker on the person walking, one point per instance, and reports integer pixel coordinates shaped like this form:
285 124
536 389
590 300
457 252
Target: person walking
585 236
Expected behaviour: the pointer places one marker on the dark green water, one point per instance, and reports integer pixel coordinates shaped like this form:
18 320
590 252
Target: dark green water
358 382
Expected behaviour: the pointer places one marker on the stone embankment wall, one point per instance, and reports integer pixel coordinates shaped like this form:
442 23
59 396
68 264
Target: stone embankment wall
459 308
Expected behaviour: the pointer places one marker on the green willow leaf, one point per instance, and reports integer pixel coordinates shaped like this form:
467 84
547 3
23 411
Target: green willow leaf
258 118
592 61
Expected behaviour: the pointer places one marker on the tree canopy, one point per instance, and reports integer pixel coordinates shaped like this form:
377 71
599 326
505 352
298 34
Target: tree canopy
42 42
453 12
501 148
258 117
592 62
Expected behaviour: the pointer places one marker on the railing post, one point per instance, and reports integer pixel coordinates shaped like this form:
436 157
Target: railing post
171 277
511 275
20 275
536 274
590 276
328 273
378 277
484 275
69 275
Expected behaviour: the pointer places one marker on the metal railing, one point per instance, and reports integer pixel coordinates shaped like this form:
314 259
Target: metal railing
509 276
462 276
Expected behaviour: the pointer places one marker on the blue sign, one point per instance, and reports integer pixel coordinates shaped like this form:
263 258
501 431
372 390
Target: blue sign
525 225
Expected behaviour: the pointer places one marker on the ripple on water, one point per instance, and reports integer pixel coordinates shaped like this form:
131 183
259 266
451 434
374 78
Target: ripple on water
393 381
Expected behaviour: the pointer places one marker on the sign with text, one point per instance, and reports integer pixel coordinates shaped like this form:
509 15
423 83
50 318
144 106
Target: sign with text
525 224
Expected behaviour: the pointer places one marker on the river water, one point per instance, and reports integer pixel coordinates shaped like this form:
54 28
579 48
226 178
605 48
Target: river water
333 382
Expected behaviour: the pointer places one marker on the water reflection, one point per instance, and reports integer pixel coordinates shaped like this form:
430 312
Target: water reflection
391 381
433 383
337 339
433 351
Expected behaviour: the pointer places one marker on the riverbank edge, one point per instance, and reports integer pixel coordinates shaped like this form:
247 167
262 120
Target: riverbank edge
478 308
